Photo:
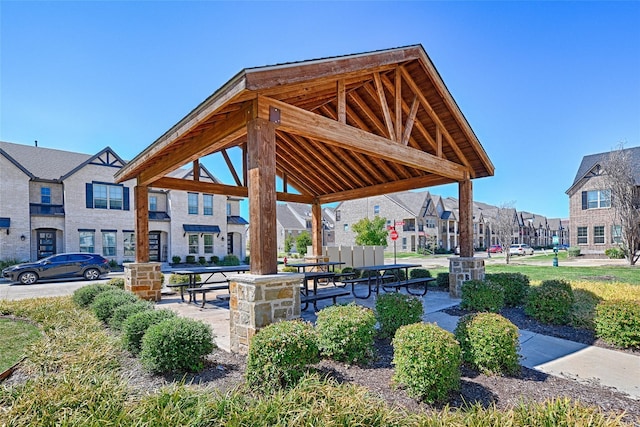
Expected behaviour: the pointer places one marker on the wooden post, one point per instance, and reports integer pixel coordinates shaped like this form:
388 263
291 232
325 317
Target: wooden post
142 223
465 189
316 228
261 168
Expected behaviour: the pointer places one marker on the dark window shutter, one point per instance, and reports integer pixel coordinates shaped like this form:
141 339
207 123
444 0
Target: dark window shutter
125 197
89 195
584 200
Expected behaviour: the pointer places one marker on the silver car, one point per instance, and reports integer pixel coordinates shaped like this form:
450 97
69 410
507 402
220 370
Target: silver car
520 249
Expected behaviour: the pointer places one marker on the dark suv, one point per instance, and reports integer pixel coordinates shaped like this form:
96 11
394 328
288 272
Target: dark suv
89 266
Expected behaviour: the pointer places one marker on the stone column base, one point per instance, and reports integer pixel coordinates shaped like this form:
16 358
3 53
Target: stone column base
462 269
259 300
143 279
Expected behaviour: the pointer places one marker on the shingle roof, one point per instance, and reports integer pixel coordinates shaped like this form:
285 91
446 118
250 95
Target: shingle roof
287 219
411 201
591 160
40 162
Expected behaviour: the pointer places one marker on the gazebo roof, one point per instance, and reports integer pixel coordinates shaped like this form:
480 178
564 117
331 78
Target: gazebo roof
346 127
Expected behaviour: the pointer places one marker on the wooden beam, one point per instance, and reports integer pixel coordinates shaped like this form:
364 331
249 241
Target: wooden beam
196 170
342 102
214 138
385 107
316 228
408 127
398 106
438 141
311 125
465 190
261 165
386 188
142 223
227 160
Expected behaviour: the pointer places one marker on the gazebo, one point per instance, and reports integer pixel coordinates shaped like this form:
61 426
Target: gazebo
331 129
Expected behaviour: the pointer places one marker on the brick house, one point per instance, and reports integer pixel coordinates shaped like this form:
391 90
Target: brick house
593 227
54 201
294 218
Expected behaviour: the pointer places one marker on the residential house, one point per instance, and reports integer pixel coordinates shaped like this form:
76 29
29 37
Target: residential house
54 201
593 225
295 218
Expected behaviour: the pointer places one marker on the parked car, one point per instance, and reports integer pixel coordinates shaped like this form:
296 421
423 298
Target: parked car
520 249
89 266
494 249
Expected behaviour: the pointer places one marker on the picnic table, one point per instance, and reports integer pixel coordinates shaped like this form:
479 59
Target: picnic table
315 294
315 266
210 283
387 277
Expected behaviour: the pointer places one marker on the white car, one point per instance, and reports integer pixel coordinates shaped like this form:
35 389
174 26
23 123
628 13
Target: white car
520 249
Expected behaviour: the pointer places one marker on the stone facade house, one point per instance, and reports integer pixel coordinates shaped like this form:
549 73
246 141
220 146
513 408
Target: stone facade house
54 201
295 218
593 226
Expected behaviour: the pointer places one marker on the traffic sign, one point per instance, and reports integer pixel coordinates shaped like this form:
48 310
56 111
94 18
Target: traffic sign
393 235
399 222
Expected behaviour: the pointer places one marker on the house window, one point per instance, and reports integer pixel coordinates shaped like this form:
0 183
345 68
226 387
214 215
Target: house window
109 243
582 236
598 234
409 224
616 234
404 243
87 239
338 215
193 243
208 243
129 244
193 204
597 199
346 227
376 210
45 195
228 209
207 204
107 196
430 223
153 203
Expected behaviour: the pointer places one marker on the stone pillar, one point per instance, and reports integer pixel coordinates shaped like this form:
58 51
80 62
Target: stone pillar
462 269
259 300
143 279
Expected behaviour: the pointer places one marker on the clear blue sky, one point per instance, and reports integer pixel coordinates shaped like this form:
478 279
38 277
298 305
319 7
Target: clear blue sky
541 83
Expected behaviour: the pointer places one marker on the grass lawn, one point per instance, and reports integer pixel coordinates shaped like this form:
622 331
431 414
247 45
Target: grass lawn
15 337
608 274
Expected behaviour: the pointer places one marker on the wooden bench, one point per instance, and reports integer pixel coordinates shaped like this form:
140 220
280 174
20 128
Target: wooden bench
424 281
204 290
321 294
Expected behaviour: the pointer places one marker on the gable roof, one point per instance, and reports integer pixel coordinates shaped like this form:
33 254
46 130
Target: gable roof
341 131
288 219
592 160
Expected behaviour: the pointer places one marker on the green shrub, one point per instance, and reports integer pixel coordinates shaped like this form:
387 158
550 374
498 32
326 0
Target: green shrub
202 260
124 311
247 260
176 345
105 303
176 259
346 333
176 279
136 325
289 269
394 310
85 295
190 259
118 282
279 355
215 259
419 273
230 260
618 322
551 302
489 343
427 361
482 295
442 280
573 252
614 253
515 285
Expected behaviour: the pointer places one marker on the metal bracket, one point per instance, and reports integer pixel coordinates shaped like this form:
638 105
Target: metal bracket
274 115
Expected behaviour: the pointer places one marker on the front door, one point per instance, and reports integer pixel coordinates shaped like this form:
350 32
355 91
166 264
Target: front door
229 243
46 243
154 246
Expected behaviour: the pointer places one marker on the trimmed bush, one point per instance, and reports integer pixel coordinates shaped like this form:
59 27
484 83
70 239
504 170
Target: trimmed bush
614 253
515 285
289 269
618 322
105 303
427 360
176 345
482 295
442 280
135 326
215 259
573 252
279 355
85 295
419 273
118 282
551 302
176 259
230 260
175 279
202 260
122 312
346 333
489 343
394 310
190 259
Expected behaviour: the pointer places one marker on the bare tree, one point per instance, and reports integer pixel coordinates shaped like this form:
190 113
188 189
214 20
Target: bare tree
502 226
620 178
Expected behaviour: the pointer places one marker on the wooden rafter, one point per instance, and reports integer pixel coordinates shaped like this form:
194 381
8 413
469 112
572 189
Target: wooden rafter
342 102
232 169
410 120
397 93
385 107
